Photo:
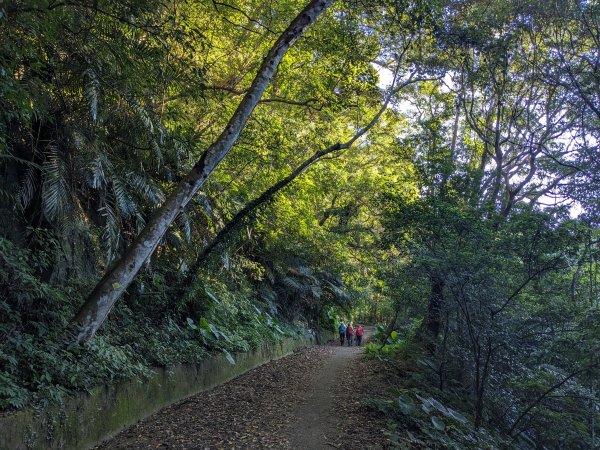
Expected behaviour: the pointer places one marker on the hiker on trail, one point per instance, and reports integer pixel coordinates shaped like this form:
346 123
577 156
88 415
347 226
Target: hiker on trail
359 334
342 330
349 334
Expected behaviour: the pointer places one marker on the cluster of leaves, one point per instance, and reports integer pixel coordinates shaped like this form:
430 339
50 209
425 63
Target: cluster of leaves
236 324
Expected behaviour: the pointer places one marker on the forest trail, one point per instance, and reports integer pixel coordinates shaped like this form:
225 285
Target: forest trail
315 398
320 415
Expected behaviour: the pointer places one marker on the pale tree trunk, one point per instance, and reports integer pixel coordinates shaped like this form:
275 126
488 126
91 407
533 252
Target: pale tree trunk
99 303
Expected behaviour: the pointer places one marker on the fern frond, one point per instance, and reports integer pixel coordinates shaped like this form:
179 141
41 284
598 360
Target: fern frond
304 270
152 127
337 291
293 284
6 197
183 155
144 117
267 293
144 49
305 273
29 186
55 189
92 89
111 233
140 222
315 291
226 260
127 205
158 154
145 187
80 142
175 75
172 239
12 157
91 159
98 177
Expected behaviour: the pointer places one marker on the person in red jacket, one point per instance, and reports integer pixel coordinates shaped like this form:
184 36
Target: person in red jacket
359 334
349 334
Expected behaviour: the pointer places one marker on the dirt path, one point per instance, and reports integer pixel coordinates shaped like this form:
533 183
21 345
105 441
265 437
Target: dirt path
317 419
312 399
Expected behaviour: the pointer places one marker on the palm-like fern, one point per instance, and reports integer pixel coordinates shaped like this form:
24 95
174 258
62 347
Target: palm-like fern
111 234
91 145
29 186
183 222
55 188
91 90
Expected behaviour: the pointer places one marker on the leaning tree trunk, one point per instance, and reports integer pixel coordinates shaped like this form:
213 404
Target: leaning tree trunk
99 303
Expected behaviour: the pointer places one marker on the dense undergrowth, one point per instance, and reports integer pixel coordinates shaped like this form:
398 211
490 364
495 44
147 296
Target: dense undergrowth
148 329
420 414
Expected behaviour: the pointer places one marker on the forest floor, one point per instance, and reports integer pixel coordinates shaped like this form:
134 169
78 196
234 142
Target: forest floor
315 398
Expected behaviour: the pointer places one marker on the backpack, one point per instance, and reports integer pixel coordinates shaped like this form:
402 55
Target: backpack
342 328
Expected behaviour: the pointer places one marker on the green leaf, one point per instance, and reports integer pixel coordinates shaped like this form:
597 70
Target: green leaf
438 423
224 336
457 416
205 334
214 330
426 405
394 335
212 296
269 319
204 324
437 405
426 363
228 356
406 405
55 190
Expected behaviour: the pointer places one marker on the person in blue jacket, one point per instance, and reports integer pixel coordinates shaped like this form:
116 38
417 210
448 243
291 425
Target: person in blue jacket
342 330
